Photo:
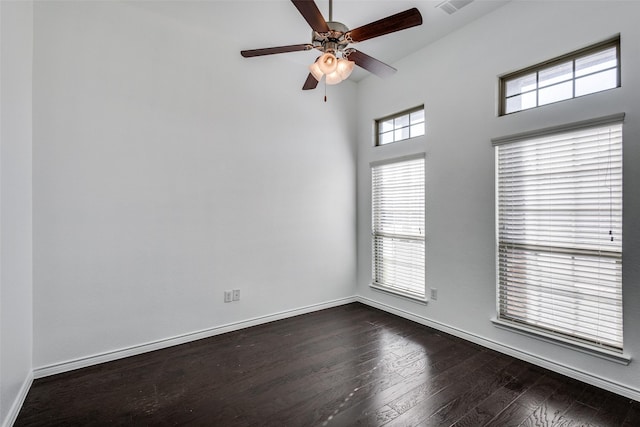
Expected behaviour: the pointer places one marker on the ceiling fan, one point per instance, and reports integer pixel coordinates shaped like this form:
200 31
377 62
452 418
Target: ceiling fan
332 38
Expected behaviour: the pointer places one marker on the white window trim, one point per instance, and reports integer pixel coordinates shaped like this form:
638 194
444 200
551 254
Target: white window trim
603 353
605 120
404 295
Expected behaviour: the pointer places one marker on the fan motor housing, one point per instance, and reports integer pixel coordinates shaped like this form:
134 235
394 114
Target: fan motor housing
333 40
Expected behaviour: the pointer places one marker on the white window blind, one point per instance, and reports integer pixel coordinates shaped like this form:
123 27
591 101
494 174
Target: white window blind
398 226
560 234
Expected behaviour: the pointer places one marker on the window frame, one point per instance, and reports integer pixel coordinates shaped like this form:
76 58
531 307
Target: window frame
397 290
606 352
542 66
407 112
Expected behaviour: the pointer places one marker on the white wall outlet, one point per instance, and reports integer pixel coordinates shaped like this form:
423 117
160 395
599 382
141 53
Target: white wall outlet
228 296
236 294
434 294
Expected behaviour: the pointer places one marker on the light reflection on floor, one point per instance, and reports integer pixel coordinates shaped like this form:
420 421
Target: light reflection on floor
395 353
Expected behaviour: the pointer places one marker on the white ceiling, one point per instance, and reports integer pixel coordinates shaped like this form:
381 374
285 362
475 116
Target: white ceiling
252 24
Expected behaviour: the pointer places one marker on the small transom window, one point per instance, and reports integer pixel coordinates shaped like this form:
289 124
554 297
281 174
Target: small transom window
590 70
401 126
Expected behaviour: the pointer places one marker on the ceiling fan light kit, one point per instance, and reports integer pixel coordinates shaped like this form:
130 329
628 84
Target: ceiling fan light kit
328 63
341 71
345 67
332 38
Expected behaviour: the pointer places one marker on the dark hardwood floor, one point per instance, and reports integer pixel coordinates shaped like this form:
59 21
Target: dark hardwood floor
345 366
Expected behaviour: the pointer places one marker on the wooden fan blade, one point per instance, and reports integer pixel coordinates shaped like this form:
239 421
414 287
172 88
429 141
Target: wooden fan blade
371 64
312 15
274 50
310 83
390 24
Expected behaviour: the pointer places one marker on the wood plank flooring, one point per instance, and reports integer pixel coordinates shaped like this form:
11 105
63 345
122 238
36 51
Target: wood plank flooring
346 366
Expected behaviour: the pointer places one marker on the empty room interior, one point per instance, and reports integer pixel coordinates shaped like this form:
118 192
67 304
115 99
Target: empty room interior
441 229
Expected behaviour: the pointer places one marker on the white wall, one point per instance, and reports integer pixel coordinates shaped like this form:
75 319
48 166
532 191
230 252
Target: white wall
168 169
16 48
456 79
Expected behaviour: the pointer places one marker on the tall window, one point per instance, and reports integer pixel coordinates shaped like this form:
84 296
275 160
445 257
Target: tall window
398 192
560 232
586 71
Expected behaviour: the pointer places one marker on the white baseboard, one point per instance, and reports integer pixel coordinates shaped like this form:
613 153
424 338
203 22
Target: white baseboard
577 374
83 362
12 415
184 338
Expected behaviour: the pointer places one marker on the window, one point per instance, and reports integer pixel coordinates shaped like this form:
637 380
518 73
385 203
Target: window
405 125
559 232
586 71
398 226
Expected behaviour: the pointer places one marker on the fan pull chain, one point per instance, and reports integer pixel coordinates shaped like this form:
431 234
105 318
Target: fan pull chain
325 90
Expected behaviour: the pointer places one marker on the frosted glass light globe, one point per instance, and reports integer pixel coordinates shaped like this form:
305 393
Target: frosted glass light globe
328 63
333 78
345 67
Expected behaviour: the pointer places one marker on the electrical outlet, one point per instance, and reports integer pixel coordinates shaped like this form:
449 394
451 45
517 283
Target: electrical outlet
228 296
236 294
434 294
